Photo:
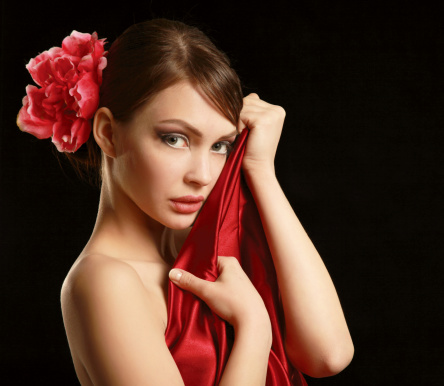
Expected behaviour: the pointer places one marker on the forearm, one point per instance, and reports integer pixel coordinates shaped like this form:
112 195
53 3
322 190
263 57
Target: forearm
316 331
248 361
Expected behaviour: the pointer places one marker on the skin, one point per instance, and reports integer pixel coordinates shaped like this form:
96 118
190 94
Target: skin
318 341
114 297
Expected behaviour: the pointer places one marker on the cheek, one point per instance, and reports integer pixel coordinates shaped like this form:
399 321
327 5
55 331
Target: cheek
217 167
155 171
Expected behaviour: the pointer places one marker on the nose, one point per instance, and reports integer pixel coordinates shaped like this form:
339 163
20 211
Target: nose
199 170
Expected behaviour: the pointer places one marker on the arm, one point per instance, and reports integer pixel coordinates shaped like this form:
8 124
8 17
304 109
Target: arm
317 338
116 336
233 297
248 361
112 328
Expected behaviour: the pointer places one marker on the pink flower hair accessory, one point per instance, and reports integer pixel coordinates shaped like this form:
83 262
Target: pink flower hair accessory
69 78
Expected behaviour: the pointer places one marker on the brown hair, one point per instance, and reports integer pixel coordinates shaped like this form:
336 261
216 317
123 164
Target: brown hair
146 59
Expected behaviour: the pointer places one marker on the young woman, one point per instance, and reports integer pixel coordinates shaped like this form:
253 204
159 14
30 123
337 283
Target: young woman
170 110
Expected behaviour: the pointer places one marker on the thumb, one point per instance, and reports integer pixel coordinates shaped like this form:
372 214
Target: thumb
187 281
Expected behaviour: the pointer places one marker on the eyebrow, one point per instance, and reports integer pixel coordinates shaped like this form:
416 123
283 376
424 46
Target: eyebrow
195 131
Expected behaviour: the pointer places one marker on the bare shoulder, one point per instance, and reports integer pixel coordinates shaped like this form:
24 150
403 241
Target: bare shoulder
112 329
93 274
96 278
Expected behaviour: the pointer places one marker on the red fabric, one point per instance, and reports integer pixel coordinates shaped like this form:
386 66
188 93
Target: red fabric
228 225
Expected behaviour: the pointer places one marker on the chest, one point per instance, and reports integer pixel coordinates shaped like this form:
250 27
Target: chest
154 277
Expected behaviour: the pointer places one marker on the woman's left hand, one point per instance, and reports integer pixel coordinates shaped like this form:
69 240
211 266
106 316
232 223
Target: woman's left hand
265 122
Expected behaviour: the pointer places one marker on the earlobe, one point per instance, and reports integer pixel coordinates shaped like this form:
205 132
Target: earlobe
103 131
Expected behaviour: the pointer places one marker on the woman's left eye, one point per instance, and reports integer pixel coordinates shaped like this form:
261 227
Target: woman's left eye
223 147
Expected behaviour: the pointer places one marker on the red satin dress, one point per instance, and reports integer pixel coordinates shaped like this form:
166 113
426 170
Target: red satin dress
228 225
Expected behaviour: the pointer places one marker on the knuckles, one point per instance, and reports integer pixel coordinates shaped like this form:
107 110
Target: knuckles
277 112
273 112
280 111
253 95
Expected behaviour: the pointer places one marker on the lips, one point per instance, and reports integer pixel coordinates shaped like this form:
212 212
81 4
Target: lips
187 204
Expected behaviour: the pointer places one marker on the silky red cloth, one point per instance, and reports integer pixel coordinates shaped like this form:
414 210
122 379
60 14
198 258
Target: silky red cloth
228 225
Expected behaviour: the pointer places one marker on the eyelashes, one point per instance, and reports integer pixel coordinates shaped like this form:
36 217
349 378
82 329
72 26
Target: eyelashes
179 141
223 147
175 140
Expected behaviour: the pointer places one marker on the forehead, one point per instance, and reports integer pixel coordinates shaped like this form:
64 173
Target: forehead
183 101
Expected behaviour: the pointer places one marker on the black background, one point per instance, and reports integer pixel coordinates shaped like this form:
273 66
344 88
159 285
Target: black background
360 160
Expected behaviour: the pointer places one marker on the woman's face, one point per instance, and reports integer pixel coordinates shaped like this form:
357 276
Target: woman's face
170 155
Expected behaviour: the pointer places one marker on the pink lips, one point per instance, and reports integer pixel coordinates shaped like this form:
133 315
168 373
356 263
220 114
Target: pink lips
187 204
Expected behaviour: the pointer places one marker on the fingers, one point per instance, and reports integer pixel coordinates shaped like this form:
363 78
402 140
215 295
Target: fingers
197 286
232 296
253 95
254 103
257 108
188 281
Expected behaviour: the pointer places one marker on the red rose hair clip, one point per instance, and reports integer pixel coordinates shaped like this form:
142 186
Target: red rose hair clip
69 78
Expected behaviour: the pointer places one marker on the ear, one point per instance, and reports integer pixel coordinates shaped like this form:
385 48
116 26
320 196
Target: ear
103 131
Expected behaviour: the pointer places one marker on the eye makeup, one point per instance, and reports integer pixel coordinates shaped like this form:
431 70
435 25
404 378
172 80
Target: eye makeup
179 140
175 140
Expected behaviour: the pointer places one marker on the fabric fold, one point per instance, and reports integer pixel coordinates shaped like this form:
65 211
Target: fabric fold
228 225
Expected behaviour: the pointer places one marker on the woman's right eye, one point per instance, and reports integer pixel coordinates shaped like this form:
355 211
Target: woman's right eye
175 140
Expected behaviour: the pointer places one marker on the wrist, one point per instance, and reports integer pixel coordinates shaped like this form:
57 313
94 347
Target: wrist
259 171
258 177
260 336
254 326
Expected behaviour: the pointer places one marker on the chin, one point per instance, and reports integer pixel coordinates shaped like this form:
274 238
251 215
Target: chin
182 223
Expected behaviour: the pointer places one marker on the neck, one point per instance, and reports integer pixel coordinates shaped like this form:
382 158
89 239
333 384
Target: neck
123 230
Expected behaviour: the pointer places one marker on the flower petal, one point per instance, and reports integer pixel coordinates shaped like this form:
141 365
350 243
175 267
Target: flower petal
40 67
70 135
86 64
101 66
78 44
32 117
70 77
86 93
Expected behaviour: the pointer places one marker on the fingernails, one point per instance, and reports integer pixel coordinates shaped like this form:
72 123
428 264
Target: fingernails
175 275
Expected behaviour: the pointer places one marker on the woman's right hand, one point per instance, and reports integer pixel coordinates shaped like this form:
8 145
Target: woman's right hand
232 296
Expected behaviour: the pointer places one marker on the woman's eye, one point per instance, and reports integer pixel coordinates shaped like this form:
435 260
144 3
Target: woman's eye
222 147
175 140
